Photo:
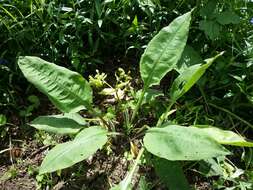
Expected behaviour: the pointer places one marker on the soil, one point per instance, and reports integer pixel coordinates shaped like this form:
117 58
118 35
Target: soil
96 173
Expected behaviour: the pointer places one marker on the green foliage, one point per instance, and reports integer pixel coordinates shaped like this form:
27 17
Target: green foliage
3 119
189 57
188 78
11 173
169 138
62 124
225 137
67 90
171 174
174 142
216 18
164 51
125 184
34 104
86 143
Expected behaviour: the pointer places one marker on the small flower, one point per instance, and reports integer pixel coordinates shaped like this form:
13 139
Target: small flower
251 20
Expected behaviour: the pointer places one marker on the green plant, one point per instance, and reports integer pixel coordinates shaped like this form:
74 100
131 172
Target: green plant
71 93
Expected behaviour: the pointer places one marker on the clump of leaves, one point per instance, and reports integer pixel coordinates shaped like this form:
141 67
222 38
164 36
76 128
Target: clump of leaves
71 93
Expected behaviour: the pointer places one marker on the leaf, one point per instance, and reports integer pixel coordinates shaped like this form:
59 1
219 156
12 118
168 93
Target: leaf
143 184
164 51
189 57
174 142
69 123
211 28
67 90
149 96
210 167
208 10
228 17
171 174
125 184
64 155
224 136
3 120
189 77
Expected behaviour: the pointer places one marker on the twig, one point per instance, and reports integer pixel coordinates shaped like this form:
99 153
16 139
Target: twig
232 114
38 151
5 150
10 148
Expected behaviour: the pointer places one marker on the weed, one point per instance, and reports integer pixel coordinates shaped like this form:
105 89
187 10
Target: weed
71 93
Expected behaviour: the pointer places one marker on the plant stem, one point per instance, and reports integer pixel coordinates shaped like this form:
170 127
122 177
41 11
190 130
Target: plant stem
5 150
164 115
127 180
100 117
138 105
232 114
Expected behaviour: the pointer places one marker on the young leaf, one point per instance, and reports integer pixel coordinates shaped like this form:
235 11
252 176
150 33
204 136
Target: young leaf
171 174
224 136
188 78
66 89
174 142
164 51
64 155
69 123
3 119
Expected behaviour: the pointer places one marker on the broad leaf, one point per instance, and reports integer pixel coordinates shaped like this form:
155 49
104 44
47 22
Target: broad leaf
164 51
64 155
67 90
69 123
174 142
188 78
171 174
224 136
228 17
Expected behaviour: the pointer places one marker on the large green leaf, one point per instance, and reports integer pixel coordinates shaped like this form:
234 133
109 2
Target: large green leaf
64 155
188 78
224 136
175 142
68 123
164 51
171 174
67 90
